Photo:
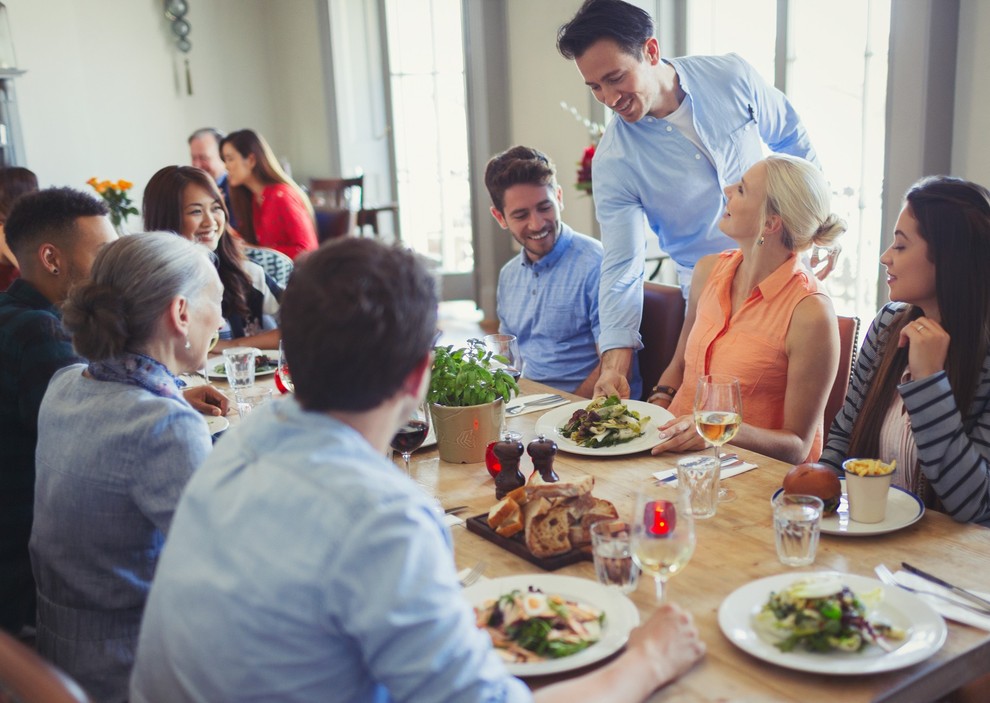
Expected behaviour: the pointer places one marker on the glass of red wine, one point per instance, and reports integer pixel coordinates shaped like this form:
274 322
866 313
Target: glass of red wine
283 378
412 434
506 348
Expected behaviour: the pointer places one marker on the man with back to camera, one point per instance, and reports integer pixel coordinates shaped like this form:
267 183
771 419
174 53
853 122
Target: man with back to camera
302 565
548 293
204 152
55 235
687 128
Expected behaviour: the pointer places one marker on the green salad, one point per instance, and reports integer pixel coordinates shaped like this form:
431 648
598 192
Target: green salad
604 423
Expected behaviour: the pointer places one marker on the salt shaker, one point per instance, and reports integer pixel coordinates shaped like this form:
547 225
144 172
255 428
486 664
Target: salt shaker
508 451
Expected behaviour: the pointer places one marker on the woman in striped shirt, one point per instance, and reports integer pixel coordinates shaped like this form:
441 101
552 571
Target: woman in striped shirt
920 391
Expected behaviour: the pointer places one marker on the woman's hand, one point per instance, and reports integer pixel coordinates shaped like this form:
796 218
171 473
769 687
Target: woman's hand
207 400
679 435
928 345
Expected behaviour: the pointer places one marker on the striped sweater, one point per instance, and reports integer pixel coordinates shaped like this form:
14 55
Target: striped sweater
954 454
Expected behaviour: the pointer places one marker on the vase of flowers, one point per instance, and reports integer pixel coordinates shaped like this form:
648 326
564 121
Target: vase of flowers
116 198
595 131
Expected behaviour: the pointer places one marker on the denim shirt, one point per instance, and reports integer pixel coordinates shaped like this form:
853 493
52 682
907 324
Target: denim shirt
303 566
647 174
112 461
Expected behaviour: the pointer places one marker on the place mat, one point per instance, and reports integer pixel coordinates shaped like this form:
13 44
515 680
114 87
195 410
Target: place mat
517 545
522 399
730 468
946 610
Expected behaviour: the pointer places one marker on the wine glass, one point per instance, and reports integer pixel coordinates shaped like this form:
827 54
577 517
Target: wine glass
412 434
506 348
283 378
717 416
662 532
206 363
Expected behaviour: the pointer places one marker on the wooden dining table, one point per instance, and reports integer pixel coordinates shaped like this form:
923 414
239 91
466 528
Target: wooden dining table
733 548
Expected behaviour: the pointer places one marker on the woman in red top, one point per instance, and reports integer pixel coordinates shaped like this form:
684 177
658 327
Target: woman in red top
270 208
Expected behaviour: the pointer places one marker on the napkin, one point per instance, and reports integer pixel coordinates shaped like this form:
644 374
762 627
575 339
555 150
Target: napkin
945 609
729 469
451 520
522 399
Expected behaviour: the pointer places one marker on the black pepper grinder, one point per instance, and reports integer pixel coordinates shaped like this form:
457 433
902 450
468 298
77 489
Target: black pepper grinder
508 451
542 451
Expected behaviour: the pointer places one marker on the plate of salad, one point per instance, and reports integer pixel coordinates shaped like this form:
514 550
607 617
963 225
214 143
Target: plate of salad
605 426
545 624
265 364
829 623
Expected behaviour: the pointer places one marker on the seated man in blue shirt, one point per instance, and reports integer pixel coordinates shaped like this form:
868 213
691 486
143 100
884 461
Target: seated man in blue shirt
688 128
302 565
548 293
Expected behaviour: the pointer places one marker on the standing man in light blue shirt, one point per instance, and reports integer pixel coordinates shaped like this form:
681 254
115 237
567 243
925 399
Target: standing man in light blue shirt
688 128
548 293
302 565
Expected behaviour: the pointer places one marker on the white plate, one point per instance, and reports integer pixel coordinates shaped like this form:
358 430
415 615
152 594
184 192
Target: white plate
925 628
621 615
216 423
214 361
550 423
903 508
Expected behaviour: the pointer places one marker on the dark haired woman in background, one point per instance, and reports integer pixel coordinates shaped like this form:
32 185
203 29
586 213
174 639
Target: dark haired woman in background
920 393
117 443
186 200
14 182
270 207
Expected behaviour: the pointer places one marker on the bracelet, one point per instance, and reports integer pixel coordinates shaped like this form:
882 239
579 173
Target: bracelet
667 390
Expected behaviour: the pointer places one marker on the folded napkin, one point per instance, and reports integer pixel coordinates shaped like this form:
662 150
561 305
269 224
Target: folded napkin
451 520
944 608
729 469
523 399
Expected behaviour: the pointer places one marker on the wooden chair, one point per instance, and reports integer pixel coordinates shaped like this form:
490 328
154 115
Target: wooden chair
30 679
336 202
663 317
848 339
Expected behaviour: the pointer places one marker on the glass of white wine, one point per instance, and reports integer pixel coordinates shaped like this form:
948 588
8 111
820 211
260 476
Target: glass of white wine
209 347
717 416
662 532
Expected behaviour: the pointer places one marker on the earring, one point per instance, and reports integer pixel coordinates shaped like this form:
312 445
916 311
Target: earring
188 345
759 242
54 271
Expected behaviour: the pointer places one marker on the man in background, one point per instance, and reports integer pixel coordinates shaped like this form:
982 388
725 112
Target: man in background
204 152
548 293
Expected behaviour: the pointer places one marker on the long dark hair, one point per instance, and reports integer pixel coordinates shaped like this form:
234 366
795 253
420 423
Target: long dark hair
162 207
954 219
266 169
15 181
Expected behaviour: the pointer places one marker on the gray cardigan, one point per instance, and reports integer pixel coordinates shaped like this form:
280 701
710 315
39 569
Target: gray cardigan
954 453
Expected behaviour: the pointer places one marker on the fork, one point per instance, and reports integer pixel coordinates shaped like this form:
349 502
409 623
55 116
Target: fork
474 574
533 403
888 577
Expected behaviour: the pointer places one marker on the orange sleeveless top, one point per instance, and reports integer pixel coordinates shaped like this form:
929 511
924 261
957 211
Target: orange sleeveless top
749 345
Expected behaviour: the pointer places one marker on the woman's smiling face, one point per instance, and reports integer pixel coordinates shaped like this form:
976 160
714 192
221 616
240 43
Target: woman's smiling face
910 271
203 218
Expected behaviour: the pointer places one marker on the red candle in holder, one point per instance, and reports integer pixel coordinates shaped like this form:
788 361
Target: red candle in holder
491 461
660 518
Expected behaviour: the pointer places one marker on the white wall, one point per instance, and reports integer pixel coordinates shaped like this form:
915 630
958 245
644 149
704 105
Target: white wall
971 144
105 90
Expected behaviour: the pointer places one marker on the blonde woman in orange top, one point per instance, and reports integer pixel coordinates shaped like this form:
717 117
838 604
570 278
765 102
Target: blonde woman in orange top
757 313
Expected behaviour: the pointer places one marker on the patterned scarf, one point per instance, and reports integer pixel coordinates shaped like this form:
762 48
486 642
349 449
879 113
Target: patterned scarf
137 370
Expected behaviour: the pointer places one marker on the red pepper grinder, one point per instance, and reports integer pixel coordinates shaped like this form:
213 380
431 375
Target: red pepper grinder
508 452
542 451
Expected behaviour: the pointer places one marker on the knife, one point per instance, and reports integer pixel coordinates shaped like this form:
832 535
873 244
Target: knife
456 509
961 592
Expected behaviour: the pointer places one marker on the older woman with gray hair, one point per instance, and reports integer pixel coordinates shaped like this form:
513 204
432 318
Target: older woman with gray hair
116 444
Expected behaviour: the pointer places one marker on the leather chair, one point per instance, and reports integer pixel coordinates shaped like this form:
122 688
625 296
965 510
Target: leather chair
848 343
30 679
334 201
660 328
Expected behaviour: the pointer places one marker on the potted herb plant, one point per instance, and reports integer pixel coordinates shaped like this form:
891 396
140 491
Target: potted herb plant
467 390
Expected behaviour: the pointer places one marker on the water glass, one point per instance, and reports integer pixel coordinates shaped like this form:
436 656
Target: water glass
247 399
612 552
239 364
796 524
699 475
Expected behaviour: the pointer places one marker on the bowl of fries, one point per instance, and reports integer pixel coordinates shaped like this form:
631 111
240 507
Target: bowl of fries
867 485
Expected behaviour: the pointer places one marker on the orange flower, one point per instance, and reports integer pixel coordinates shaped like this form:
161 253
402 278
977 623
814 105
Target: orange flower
92 181
103 186
124 185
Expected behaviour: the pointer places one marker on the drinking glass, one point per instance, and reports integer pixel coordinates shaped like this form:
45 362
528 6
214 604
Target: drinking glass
283 378
717 416
662 532
612 552
206 362
412 434
796 525
506 346
239 364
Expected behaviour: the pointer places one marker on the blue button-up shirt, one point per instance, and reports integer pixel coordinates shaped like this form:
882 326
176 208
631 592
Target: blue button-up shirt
303 566
648 172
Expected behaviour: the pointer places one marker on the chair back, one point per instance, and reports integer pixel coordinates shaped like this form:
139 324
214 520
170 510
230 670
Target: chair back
336 202
275 263
848 339
28 678
663 317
